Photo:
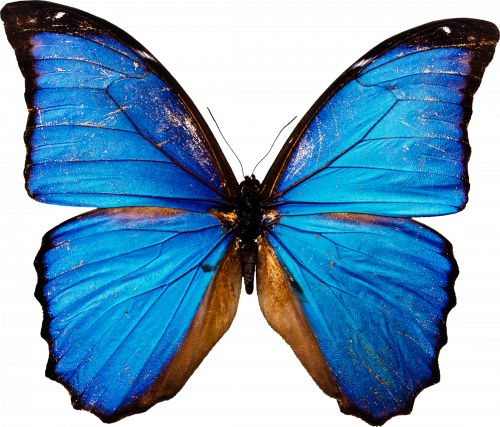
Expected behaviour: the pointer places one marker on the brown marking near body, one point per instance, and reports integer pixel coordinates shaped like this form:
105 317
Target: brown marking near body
213 318
284 314
228 219
271 216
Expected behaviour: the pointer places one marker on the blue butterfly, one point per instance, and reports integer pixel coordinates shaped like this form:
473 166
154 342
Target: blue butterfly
137 292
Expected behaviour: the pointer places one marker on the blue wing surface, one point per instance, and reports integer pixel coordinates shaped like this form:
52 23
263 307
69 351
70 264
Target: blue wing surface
126 294
390 136
108 125
376 292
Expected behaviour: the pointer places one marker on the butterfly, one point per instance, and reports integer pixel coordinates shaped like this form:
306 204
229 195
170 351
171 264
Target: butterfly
136 293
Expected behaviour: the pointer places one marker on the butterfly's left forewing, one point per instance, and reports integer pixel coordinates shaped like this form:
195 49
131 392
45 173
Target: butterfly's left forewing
108 125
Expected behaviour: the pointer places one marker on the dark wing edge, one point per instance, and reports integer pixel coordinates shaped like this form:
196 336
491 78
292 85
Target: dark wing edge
10 10
213 318
485 35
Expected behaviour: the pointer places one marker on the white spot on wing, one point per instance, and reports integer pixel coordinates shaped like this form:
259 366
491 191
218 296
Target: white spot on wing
146 55
446 30
362 63
59 15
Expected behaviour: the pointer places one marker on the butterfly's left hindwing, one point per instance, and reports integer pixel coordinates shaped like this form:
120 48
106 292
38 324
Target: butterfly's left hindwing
134 299
368 297
108 125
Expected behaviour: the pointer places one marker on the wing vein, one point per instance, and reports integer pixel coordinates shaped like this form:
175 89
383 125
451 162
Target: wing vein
164 152
281 193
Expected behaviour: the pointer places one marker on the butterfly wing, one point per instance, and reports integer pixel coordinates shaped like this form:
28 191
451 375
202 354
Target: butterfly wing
108 125
134 299
389 137
362 300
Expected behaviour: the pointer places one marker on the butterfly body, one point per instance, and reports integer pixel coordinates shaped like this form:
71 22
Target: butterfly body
250 223
137 292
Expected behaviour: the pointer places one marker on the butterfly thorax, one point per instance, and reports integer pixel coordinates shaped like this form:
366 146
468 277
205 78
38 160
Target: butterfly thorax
250 215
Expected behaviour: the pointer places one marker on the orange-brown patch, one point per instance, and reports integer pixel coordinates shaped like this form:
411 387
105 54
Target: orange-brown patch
284 314
214 317
271 216
228 219
356 218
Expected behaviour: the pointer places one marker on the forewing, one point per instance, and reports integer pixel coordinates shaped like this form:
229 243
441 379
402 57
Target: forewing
389 137
367 297
108 125
134 299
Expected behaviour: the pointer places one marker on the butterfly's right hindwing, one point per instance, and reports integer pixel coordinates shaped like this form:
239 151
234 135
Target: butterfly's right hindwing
368 297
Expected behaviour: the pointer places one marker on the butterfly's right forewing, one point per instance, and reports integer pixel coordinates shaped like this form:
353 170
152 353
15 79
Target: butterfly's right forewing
389 137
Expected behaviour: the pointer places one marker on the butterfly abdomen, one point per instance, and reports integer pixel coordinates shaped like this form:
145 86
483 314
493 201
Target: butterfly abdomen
249 258
250 215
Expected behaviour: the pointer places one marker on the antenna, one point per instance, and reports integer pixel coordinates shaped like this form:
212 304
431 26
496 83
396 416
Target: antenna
226 142
273 144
